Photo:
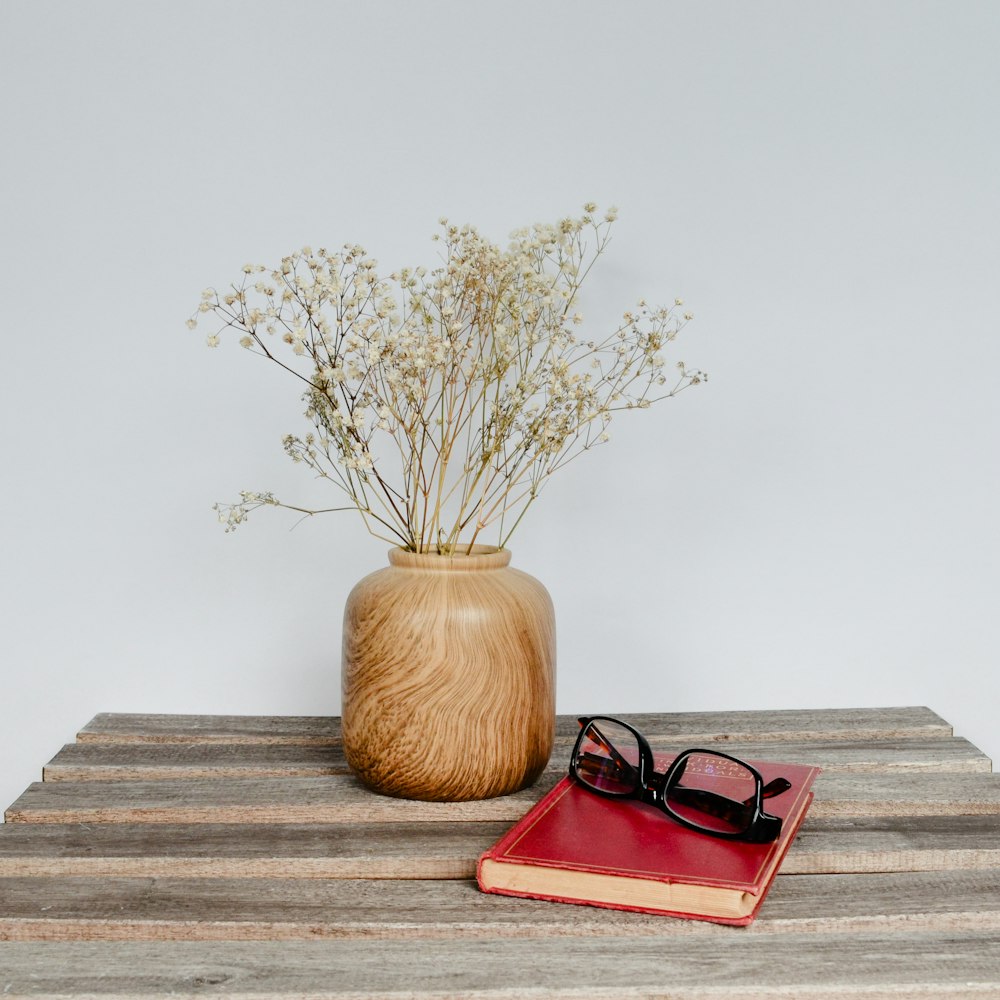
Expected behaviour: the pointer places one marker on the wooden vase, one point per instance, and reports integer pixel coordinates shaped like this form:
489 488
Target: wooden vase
448 676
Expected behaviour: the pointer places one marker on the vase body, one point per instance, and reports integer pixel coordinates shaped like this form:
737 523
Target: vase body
448 676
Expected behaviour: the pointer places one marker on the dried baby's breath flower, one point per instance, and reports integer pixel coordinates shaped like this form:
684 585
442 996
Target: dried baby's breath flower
441 401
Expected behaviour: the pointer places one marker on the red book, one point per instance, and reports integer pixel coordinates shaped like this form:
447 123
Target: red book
577 847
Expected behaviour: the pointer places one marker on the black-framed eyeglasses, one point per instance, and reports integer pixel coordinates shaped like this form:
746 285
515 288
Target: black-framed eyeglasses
703 790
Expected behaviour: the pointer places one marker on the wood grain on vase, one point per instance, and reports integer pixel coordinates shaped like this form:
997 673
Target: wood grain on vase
448 676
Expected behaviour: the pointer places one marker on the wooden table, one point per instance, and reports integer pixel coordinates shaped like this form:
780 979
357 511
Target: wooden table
231 856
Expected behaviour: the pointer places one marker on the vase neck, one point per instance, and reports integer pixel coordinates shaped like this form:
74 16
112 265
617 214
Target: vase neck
482 557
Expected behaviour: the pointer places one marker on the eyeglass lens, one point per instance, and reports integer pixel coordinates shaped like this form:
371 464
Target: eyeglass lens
608 758
713 793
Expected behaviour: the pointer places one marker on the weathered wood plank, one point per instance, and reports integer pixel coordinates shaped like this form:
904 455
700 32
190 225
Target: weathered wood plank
778 725
894 844
122 727
906 794
342 799
441 850
182 761
130 909
876 966
339 850
178 762
333 799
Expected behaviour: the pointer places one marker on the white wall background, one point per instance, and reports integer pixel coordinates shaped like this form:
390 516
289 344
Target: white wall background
820 182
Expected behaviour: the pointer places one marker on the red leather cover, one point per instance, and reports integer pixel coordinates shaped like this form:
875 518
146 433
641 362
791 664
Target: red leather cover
576 830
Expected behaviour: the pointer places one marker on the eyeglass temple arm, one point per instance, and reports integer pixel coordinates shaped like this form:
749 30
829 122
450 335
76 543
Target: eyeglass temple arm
775 787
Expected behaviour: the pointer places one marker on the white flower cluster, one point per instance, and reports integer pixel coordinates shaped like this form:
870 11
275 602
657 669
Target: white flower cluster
232 515
442 401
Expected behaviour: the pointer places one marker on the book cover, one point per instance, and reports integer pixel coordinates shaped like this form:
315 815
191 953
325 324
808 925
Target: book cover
577 847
